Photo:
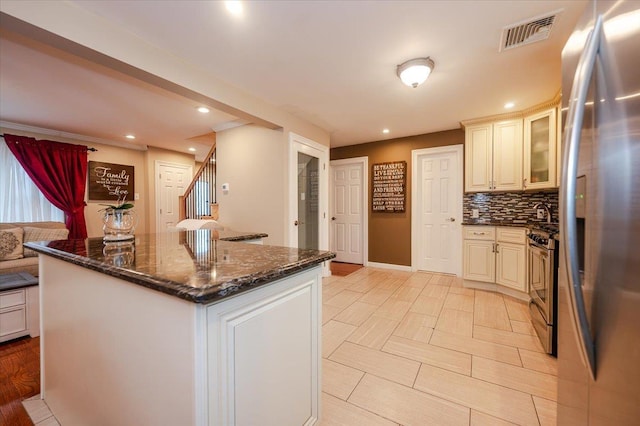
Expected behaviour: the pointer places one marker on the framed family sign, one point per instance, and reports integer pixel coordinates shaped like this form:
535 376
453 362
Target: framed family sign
108 181
389 187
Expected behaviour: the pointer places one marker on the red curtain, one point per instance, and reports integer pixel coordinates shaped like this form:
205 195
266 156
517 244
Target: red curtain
59 170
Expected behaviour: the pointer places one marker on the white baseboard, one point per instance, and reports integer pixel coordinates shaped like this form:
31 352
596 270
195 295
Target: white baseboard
389 266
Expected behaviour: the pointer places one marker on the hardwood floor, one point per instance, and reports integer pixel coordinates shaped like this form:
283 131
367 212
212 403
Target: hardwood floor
404 348
399 348
19 379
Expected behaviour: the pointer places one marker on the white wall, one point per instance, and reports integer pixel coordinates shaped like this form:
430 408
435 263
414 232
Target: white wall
252 160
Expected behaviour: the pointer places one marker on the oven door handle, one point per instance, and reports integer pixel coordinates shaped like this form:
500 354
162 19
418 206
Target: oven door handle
568 233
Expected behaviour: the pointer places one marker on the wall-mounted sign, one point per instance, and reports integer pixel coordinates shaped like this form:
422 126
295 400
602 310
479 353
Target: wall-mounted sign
109 181
389 184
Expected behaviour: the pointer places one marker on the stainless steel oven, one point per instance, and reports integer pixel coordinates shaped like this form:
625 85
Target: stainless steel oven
543 276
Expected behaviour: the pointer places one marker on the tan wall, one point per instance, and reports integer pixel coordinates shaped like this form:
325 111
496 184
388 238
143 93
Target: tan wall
252 161
151 156
390 233
144 170
116 155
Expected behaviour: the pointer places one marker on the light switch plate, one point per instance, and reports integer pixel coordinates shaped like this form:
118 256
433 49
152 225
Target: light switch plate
540 213
475 213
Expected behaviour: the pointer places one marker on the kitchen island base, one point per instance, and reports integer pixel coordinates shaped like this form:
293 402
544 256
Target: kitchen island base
114 352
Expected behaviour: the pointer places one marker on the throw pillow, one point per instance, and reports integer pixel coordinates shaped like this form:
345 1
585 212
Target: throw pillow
42 234
11 243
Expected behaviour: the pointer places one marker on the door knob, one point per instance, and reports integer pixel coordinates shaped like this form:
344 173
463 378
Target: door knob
295 223
333 218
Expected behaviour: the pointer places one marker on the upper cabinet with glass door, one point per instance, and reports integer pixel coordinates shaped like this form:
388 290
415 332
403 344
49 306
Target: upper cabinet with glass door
540 150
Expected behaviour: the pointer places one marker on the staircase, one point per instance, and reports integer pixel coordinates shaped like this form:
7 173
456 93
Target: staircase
199 199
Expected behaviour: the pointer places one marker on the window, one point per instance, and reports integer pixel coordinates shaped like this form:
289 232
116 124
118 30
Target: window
20 199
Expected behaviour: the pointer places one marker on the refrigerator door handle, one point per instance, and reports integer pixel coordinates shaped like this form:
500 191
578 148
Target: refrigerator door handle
569 237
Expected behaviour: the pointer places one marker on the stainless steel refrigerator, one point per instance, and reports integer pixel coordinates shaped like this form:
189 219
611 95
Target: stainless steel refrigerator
599 276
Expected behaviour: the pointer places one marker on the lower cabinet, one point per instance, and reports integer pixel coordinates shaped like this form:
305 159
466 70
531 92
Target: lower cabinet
252 359
264 353
510 266
479 260
19 313
496 255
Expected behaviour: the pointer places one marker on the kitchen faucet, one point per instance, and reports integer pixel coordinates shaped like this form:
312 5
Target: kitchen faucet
547 208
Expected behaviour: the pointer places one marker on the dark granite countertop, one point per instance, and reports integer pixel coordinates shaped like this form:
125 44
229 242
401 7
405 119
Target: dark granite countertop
229 235
520 224
198 266
552 228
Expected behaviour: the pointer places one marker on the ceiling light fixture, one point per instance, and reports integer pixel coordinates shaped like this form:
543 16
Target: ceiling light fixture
203 110
385 131
192 149
234 7
509 105
130 137
415 71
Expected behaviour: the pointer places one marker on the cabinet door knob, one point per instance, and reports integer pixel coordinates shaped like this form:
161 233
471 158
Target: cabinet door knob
451 219
333 218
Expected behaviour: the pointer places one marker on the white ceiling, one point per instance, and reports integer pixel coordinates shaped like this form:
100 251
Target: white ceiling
329 62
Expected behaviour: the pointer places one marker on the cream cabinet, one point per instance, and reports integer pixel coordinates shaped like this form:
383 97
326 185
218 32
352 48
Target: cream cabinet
479 253
493 156
19 313
479 260
251 359
540 150
496 256
511 255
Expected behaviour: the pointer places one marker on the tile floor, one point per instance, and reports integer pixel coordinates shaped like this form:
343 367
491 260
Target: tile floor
39 412
404 348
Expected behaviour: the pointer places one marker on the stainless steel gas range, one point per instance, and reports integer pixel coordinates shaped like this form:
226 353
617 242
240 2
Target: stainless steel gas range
543 283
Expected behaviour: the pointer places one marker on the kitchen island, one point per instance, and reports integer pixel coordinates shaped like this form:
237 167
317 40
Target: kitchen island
180 328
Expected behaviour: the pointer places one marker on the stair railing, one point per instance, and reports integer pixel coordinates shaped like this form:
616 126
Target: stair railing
200 195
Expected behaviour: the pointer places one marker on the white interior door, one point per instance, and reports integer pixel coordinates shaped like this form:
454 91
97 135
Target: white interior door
308 192
171 181
437 209
347 207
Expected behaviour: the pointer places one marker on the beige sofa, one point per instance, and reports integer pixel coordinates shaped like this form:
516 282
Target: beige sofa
25 260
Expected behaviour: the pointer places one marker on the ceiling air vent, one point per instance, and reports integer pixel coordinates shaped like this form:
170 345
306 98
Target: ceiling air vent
528 31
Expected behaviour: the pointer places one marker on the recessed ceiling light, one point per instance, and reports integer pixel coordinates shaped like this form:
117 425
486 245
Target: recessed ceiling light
234 7
130 137
509 105
385 131
192 149
203 110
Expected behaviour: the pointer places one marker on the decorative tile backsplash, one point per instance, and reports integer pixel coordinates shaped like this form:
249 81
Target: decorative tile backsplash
516 207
